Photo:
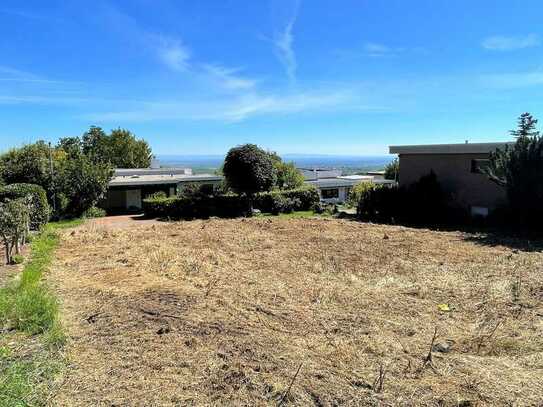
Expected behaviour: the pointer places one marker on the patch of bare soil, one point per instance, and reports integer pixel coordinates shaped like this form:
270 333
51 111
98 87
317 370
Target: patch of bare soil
8 271
298 312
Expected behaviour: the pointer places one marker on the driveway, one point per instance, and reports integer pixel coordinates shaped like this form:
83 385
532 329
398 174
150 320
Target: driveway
121 221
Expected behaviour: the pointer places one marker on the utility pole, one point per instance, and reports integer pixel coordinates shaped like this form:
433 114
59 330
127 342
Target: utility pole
52 178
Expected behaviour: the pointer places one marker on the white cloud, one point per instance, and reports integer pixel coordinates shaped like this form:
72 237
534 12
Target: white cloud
228 78
377 50
171 52
235 109
283 41
513 80
504 43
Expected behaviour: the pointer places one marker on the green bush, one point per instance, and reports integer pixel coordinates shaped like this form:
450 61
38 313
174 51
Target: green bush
197 206
94 212
159 207
422 203
39 211
302 199
357 191
282 204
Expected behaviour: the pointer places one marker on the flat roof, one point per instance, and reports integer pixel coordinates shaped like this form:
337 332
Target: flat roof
139 180
462 148
342 182
150 171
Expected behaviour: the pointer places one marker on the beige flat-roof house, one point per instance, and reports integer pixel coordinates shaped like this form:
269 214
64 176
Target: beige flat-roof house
129 187
458 170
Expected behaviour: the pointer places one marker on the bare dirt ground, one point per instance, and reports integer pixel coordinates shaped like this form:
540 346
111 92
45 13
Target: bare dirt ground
120 222
8 271
226 312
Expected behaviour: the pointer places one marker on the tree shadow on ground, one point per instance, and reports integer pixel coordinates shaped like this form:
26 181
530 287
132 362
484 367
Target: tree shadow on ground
483 235
494 239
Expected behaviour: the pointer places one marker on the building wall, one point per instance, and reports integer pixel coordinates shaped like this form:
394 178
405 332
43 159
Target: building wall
343 194
454 173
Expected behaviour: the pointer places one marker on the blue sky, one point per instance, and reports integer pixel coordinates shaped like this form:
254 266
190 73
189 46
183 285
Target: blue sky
295 76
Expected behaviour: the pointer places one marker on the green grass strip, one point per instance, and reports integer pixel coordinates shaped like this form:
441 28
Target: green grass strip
30 332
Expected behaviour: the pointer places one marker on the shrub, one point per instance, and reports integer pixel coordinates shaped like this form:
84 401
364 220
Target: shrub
197 206
39 208
282 204
17 259
158 207
422 203
157 195
357 191
302 199
378 203
94 212
14 225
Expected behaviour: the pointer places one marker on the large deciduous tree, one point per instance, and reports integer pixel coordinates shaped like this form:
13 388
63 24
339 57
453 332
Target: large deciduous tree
120 148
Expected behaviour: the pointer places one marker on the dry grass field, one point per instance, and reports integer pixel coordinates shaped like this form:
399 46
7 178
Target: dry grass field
297 312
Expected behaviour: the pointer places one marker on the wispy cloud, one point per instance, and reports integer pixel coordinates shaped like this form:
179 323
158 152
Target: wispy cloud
29 15
513 80
9 74
373 49
235 109
229 78
171 52
283 41
505 43
379 50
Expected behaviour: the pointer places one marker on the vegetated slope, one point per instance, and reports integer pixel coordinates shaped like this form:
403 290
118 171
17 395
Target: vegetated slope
226 311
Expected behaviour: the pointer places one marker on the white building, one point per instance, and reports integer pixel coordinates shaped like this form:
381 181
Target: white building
334 187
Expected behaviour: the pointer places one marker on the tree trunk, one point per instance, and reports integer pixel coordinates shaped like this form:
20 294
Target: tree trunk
250 198
17 244
8 248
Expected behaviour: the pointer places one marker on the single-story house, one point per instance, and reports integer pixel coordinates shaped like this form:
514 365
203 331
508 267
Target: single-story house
458 170
336 189
129 187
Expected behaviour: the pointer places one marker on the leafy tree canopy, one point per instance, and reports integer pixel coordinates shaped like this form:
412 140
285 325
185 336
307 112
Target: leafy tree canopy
392 170
74 173
248 169
287 175
120 148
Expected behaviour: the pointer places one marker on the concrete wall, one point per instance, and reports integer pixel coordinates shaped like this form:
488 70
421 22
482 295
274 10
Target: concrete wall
454 173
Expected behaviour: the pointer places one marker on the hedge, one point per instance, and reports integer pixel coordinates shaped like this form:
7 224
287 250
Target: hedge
195 207
422 203
200 205
40 211
301 199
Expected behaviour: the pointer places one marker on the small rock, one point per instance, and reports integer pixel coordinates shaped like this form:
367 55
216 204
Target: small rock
385 237
163 330
443 347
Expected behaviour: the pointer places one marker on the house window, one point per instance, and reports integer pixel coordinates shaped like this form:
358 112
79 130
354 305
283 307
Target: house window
330 193
477 166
